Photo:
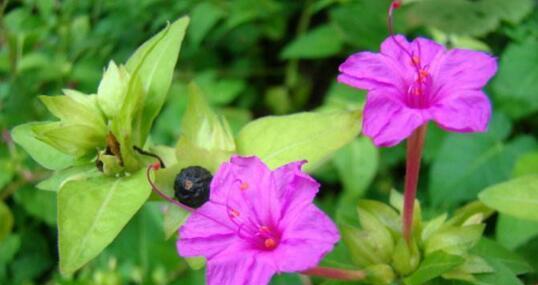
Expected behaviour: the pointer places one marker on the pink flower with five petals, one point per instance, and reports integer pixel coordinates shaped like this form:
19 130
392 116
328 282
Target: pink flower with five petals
411 83
256 223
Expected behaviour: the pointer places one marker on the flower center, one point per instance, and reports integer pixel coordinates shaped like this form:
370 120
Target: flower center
418 96
268 236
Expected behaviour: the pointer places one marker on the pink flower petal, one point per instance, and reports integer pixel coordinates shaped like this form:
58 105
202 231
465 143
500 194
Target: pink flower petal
296 189
366 70
244 182
390 48
466 111
306 240
461 69
428 51
388 121
240 271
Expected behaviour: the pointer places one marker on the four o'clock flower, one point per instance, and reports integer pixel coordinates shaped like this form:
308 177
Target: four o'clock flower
411 83
256 223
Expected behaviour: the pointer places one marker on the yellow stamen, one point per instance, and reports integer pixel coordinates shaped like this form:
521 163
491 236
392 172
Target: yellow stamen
243 186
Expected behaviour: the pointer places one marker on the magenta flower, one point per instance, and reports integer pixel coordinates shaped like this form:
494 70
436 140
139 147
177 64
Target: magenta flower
257 223
410 84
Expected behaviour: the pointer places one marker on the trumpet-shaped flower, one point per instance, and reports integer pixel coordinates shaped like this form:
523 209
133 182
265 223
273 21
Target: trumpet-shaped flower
411 83
256 223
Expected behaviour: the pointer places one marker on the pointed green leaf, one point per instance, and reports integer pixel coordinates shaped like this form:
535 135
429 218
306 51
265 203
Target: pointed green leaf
6 221
122 126
361 251
113 89
383 212
517 80
77 108
501 275
278 140
92 212
473 210
379 236
46 155
493 251
406 257
73 139
527 164
433 266
517 197
154 63
356 164
454 240
206 138
432 226
60 177
326 40
514 232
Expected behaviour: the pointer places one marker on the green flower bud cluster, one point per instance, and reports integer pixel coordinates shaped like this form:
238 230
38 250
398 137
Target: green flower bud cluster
439 247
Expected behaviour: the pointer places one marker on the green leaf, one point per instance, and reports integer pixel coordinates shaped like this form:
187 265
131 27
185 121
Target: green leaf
112 89
527 164
39 204
378 236
513 232
60 177
492 251
517 197
432 227
406 257
435 264
322 41
92 212
466 164
517 79
357 165
384 214
46 155
501 275
206 138
6 221
76 108
8 248
469 17
7 170
204 17
154 64
124 125
174 217
454 240
368 30
278 140
362 249
70 138
219 91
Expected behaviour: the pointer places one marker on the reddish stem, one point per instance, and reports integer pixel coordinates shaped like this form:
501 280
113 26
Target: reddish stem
157 166
335 273
415 144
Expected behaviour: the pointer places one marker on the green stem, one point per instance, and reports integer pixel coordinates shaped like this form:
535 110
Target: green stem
415 144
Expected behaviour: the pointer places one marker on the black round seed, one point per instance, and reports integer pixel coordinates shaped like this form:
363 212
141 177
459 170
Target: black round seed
192 186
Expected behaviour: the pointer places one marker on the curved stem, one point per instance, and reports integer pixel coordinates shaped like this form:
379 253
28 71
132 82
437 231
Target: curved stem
159 192
336 273
415 144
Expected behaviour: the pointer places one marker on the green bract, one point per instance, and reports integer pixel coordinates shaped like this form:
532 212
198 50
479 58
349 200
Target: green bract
439 247
99 176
